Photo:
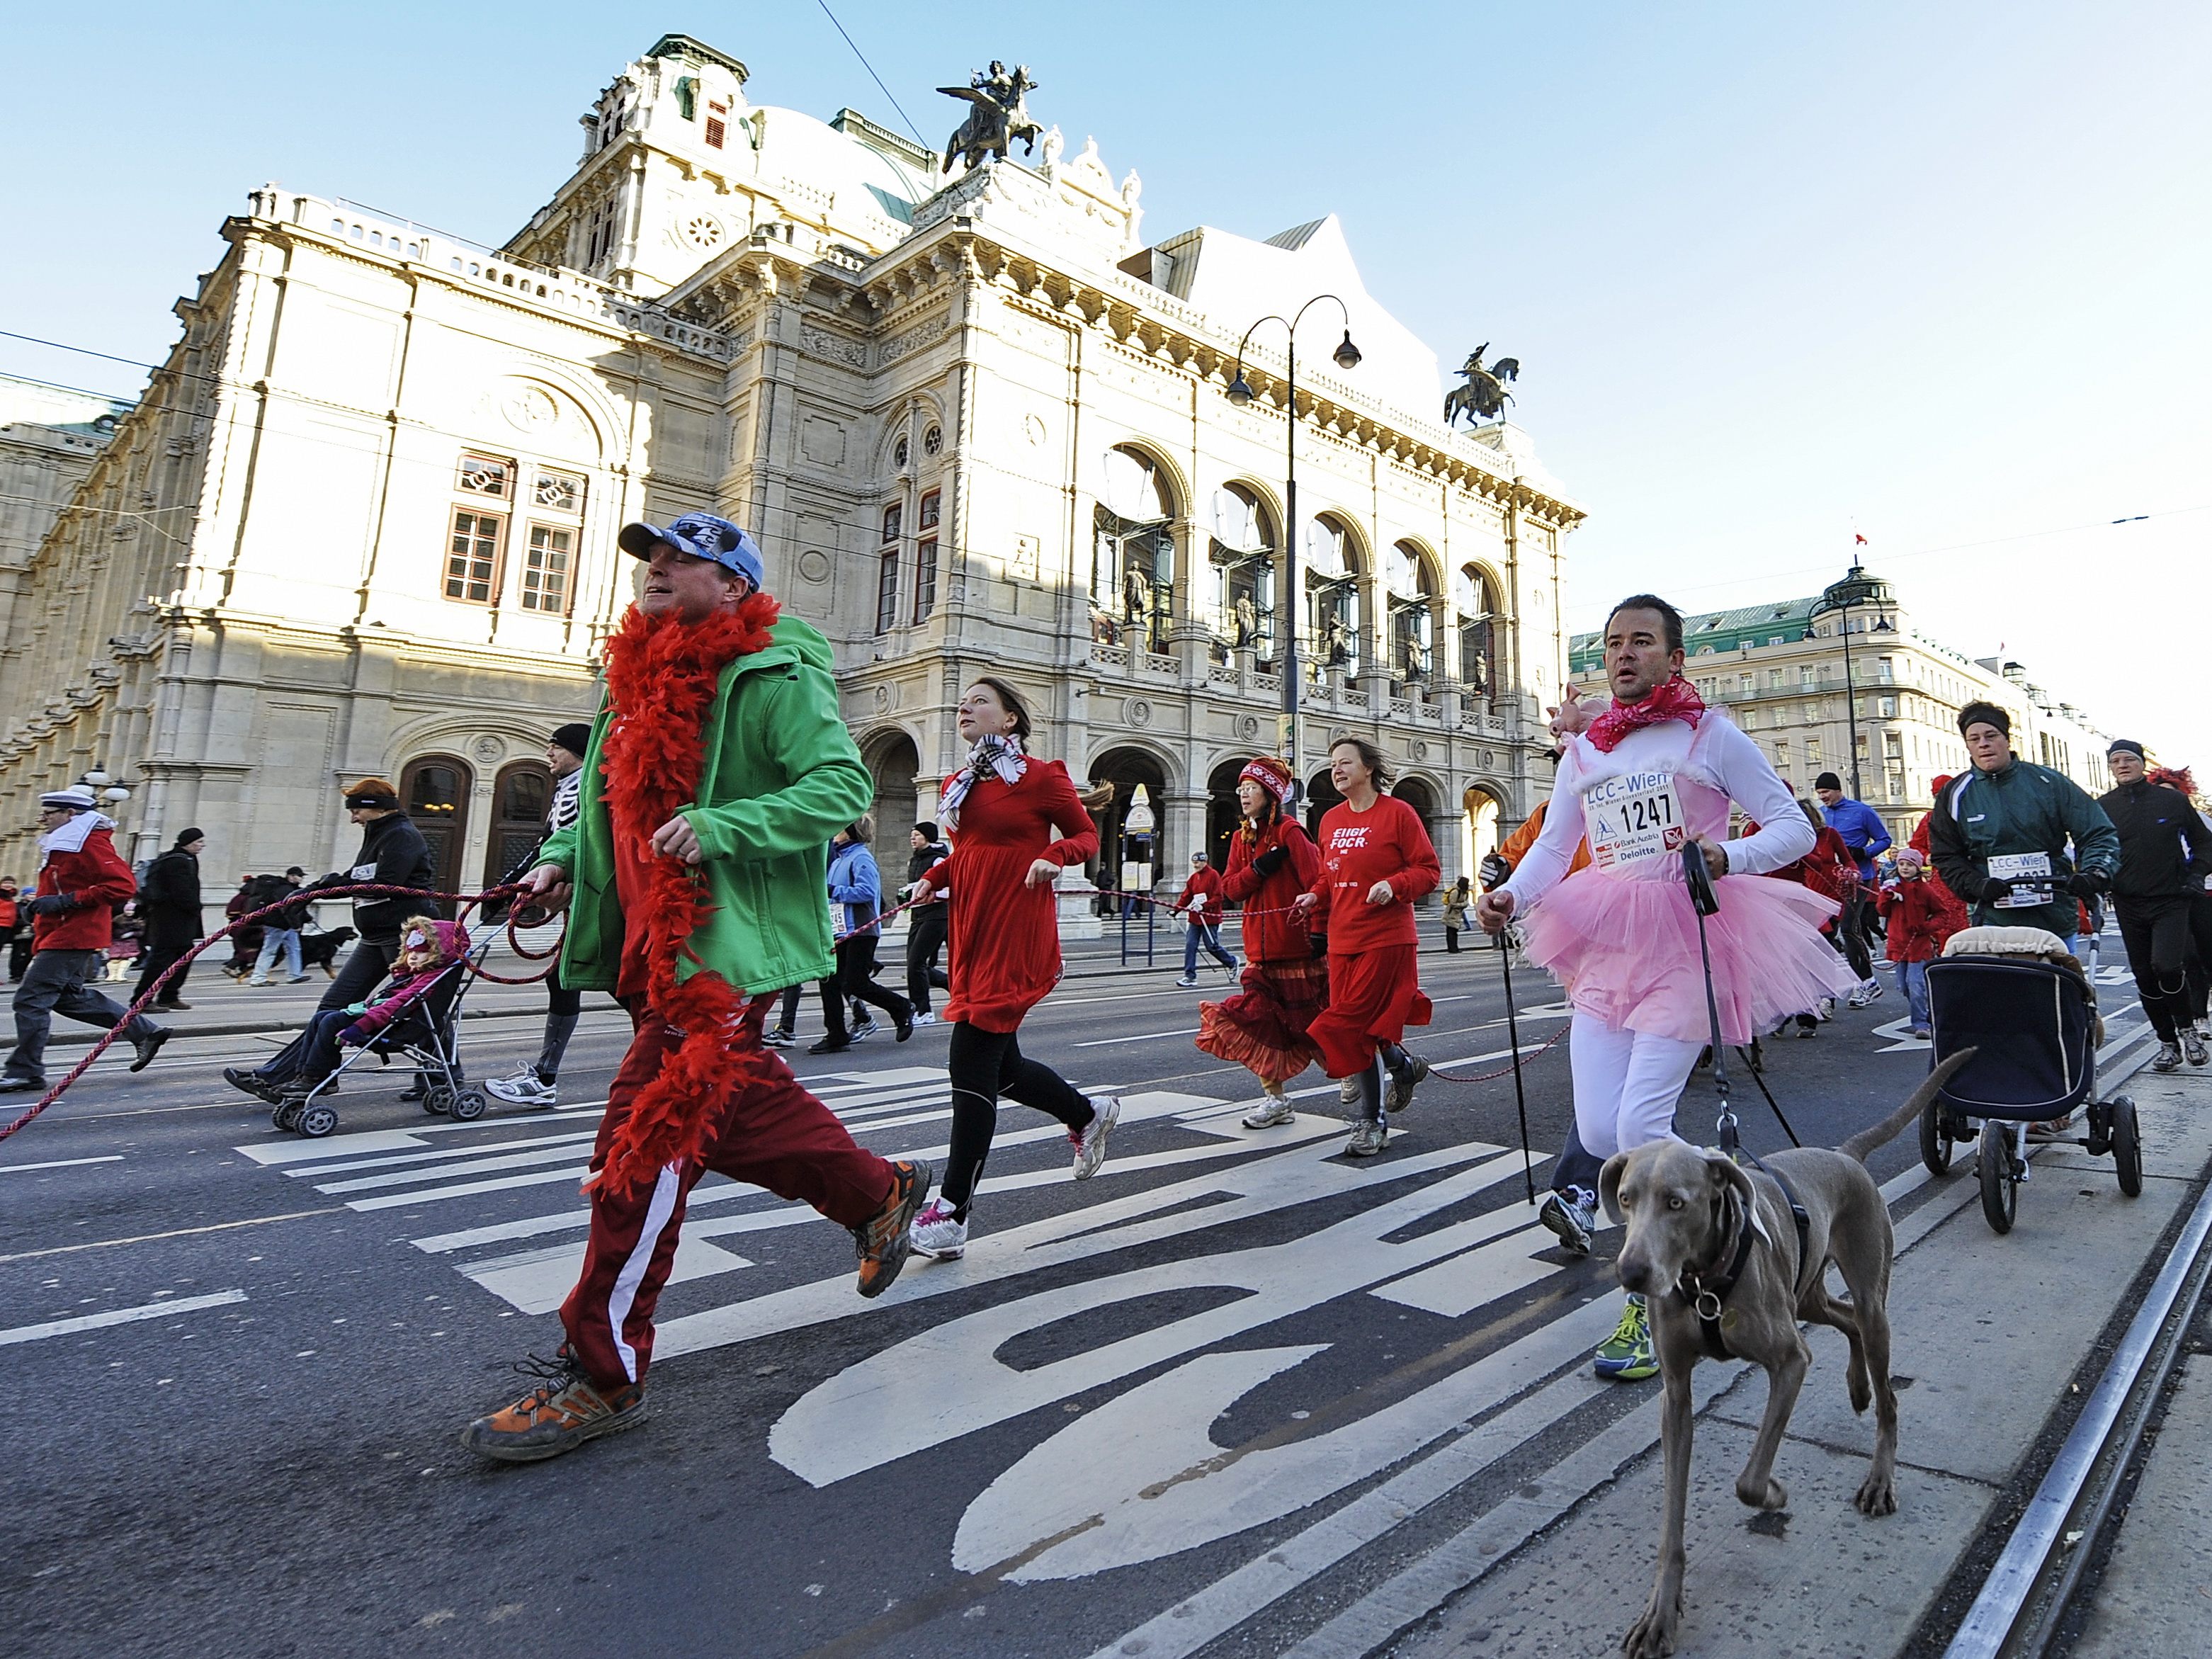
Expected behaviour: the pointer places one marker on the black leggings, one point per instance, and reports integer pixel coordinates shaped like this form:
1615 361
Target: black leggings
2158 933
985 1065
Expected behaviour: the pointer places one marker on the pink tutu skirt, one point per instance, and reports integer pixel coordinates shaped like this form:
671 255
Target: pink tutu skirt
1626 951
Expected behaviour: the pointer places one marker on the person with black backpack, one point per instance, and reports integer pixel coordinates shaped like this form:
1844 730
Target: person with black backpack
280 931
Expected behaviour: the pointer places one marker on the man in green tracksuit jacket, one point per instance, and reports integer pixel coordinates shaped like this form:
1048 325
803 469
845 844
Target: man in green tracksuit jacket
2013 812
776 773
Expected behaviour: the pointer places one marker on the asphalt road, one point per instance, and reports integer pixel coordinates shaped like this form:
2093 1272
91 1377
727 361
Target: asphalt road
1184 1406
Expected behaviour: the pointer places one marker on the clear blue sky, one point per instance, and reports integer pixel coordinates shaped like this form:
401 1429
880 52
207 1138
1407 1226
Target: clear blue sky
1943 272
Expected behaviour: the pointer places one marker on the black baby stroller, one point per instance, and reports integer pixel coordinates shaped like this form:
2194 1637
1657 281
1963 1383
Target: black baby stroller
425 1034
2017 997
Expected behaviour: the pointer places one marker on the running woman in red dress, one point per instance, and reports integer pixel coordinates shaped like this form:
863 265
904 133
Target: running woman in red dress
1263 1027
1002 809
1377 859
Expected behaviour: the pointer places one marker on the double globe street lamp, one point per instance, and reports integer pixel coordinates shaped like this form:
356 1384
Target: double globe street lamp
1346 356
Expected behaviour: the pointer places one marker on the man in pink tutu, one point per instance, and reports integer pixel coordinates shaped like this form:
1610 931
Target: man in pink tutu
1656 772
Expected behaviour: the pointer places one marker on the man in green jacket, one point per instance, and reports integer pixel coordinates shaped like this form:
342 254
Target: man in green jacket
2001 830
716 772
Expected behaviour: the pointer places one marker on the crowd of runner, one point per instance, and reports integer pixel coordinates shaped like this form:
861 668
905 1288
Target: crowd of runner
710 843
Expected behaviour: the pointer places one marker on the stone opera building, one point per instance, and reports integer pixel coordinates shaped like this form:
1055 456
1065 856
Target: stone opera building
362 521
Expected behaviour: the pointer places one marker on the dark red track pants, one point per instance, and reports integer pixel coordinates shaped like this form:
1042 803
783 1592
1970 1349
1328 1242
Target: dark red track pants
774 1134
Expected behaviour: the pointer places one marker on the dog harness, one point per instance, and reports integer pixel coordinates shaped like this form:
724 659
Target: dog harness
1704 1290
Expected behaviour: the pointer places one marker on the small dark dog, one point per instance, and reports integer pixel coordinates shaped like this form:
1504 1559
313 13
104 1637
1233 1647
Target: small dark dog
321 949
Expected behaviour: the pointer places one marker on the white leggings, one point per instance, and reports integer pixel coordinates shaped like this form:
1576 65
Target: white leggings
1626 1085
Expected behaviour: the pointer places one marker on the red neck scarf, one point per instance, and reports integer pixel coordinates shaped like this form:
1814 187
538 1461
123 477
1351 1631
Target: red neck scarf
1676 699
662 677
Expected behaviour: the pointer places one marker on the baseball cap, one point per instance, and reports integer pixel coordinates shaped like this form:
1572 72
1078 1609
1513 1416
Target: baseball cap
702 536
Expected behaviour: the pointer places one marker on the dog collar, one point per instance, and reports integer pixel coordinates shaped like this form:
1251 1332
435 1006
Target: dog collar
1704 1290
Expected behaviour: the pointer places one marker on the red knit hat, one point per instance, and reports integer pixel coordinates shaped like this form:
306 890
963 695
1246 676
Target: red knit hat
1271 774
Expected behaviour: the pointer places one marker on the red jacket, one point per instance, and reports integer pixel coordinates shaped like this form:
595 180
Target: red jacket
1387 842
1201 894
97 879
1272 934
1954 909
1918 919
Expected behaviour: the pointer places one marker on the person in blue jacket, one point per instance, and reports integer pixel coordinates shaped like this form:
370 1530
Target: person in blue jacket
856 899
1867 837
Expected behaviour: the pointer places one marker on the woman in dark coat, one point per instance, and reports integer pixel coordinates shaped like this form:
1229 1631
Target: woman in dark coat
169 904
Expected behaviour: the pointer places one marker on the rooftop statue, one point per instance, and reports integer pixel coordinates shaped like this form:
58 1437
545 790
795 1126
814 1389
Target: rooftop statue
1000 116
1484 397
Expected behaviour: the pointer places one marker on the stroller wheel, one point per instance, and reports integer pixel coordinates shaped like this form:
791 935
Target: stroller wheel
1935 1138
438 1099
2000 1194
287 1114
318 1120
2127 1146
467 1106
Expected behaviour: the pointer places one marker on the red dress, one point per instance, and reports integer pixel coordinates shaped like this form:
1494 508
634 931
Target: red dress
1374 982
1004 944
1263 1028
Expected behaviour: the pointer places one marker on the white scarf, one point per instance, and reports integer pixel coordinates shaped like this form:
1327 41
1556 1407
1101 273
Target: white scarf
1003 756
71 837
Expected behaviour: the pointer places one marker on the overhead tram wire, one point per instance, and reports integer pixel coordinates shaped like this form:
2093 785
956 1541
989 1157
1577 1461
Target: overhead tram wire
872 75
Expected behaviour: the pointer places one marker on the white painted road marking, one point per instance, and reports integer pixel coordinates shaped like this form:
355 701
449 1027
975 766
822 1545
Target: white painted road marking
59 1163
118 1316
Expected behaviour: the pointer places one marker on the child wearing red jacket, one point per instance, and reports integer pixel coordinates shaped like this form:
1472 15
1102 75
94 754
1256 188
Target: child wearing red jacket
81 878
1918 922
1377 859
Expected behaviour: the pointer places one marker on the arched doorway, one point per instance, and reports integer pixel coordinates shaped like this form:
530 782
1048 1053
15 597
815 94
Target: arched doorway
435 790
520 796
893 762
1477 826
1222 812
1321 794
1124 848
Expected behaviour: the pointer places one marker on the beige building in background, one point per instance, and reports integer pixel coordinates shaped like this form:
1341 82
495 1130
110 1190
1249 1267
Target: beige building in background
362 520
1780 670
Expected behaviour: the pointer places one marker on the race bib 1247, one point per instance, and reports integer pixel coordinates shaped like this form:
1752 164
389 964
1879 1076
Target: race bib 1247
1633 818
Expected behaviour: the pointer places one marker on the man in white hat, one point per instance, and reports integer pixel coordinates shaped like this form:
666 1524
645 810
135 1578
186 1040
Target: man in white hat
81 878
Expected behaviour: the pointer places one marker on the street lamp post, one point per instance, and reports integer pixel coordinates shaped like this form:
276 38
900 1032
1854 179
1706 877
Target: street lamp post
1347 357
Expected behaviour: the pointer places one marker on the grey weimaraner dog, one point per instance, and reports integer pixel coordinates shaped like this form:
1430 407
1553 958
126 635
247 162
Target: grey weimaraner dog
1687 1211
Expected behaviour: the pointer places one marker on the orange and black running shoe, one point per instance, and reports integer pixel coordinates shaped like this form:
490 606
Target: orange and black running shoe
882 1239
560 1413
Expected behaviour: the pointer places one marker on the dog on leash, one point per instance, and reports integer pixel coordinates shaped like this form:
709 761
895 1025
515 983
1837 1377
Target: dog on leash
321 949
1729 1259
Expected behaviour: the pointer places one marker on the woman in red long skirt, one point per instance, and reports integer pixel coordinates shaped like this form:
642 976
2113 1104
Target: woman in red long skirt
1263 1027
1377 859
1001 809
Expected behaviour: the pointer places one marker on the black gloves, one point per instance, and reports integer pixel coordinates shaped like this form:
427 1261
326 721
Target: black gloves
1317 945
1495 872
1995 888
52 904
2085 883
1272 861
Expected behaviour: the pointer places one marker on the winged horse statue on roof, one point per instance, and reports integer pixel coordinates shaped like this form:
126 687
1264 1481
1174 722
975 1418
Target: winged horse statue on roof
1000 116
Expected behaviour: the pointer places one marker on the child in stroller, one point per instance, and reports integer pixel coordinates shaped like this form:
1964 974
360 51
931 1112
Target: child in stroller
412 1012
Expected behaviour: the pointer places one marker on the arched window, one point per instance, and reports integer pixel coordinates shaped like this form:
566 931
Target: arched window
1476 599
1243 560
1332 579
1133 553
434 790
520 798
1412 600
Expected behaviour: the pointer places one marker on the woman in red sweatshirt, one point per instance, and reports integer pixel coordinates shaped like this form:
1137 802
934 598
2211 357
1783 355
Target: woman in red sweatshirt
1377 859
1263 1028
1001 809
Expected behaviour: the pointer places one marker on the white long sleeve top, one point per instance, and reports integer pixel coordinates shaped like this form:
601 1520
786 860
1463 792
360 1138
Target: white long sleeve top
1708 766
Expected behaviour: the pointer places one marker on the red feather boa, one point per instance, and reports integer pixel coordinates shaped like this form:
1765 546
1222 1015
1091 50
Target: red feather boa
662 674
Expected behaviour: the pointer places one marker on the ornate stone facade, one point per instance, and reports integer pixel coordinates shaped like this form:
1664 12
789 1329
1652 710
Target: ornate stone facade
981 428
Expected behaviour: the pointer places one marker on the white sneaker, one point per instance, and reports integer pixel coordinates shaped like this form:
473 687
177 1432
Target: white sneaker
1873 990
257 982
1858 998
866 1028
524 1088
937 1235
923 1017
1368 1137
1347 1090
1269 1112
1186 984
1090 1144
1827 1009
